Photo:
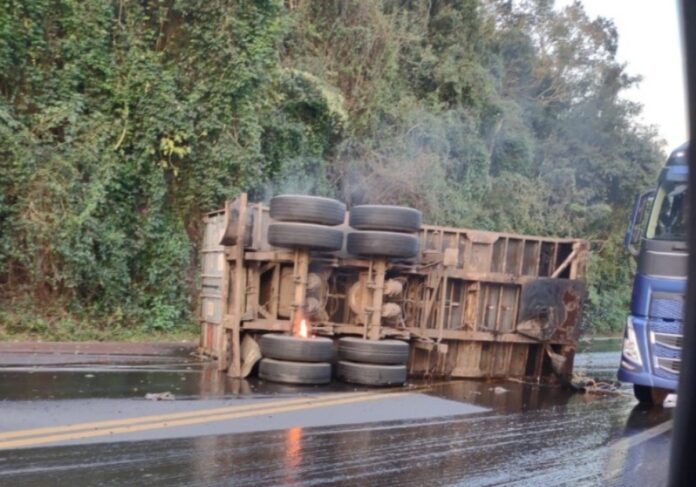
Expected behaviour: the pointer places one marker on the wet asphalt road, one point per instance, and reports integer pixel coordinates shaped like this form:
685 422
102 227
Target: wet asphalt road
456 433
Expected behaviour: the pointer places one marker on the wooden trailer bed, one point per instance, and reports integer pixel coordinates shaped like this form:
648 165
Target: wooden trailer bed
472 303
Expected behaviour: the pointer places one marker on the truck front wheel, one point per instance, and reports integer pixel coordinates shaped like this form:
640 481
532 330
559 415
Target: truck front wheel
650 396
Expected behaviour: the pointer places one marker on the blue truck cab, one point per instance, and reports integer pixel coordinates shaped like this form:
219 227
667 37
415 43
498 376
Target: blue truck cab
656 237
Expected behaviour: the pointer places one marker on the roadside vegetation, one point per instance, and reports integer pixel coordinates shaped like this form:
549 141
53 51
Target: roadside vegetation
121 122
59 325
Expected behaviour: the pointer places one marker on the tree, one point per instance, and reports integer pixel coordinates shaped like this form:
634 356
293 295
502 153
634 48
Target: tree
122 122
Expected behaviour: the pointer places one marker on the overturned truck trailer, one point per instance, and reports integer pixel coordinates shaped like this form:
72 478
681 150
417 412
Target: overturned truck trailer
470 303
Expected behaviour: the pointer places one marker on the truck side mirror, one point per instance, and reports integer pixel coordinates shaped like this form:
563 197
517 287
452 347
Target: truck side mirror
636 222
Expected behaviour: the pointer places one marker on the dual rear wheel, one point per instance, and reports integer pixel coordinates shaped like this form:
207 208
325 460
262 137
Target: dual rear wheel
384 231
293 360
306 222
372 362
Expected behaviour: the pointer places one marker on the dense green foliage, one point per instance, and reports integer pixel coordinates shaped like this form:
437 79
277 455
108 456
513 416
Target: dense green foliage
121 122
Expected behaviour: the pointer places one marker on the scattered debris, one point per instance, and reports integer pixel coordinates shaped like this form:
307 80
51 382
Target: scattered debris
159 396
590 385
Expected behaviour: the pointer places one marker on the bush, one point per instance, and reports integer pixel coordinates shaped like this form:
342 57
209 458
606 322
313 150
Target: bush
122 122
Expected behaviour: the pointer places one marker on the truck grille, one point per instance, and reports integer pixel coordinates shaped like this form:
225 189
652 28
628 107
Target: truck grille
668 364
666 345
668 340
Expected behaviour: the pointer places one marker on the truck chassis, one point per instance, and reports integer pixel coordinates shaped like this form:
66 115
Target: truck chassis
472 304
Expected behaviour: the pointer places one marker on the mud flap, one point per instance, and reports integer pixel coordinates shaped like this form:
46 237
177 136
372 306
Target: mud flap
558 361
251 353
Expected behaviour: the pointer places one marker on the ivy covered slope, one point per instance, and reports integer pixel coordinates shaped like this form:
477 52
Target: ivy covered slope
122 121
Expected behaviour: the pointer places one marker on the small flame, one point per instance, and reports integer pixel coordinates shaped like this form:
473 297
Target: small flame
303 331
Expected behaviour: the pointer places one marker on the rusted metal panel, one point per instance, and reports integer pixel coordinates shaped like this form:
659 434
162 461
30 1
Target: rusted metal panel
211 277
550 306
471 359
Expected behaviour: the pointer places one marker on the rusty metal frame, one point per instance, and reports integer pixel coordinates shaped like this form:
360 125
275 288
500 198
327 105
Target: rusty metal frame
462 270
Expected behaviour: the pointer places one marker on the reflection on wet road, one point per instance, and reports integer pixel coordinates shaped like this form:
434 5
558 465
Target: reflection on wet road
519 435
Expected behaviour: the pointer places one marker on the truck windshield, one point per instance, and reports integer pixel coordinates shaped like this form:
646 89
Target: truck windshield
668 215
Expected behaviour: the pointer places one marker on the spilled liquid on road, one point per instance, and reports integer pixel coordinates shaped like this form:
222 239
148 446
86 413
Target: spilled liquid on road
529 434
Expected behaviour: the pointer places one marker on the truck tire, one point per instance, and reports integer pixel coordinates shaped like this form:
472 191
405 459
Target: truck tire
295 372
370 374
650 396
307 209
385 217
385 352
294 349
305 235
382 244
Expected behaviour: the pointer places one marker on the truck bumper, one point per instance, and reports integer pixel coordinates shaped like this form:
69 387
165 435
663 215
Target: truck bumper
643 374
646 379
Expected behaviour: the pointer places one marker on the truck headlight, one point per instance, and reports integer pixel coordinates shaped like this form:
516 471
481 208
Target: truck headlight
630 351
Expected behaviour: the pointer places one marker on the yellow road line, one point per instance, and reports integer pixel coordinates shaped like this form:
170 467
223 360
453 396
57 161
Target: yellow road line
191 413
169 416
283 408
